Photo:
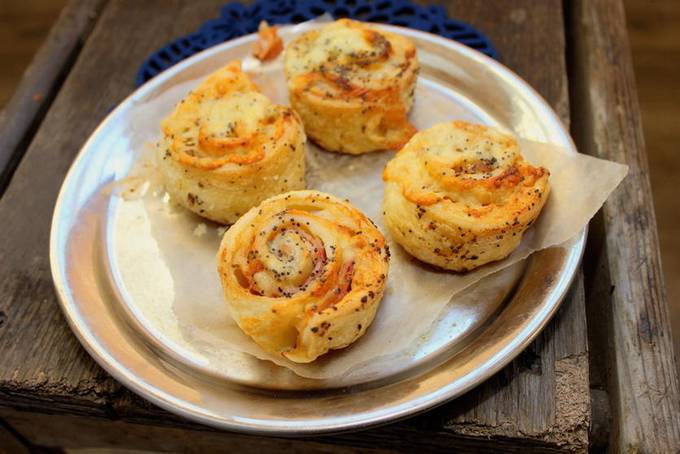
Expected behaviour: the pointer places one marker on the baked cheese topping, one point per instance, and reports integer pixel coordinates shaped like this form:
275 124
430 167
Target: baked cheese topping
226 120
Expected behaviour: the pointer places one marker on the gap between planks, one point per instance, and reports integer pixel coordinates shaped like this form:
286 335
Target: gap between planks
628 315
22 115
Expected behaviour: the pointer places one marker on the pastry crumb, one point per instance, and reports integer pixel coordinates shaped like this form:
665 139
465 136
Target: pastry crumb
269 44
200 229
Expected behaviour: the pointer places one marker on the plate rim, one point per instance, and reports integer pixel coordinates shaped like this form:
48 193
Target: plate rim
397 412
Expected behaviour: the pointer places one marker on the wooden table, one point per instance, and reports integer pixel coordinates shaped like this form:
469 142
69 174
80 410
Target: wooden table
601 374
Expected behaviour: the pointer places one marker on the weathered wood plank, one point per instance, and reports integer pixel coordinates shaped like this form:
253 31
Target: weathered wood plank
630 298
69 431
44 369
41 81
10 441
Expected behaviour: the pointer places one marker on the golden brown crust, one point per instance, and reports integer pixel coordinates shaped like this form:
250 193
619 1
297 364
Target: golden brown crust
460 195
303 273
353 86
268 45
226 147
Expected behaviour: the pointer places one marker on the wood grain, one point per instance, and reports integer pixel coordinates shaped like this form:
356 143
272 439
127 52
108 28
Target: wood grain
539 402
41 81
10 441
73 432
640 371
655 41
24 26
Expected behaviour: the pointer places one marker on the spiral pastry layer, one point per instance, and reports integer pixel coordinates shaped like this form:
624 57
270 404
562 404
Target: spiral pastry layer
226 147
353 86
460 195
303 273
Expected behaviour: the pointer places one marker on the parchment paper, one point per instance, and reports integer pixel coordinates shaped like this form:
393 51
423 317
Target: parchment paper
166 256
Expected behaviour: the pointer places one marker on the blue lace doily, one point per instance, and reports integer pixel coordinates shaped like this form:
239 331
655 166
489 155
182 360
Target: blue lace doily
237 20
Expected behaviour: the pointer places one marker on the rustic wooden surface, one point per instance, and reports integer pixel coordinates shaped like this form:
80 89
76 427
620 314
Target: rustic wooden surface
11 441
24 26
59 430
655 42
41 80
625 279
540 401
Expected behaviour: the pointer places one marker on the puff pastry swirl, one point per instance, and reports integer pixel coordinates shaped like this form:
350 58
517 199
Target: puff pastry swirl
226 147
460 195
353 86
303 273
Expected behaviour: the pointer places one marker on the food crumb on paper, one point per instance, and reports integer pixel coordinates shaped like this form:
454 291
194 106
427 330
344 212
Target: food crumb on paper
200 229
268 45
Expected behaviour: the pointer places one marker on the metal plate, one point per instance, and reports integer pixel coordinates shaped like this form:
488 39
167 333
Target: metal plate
105 321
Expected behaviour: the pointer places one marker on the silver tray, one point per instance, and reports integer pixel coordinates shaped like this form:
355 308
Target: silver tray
256 396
